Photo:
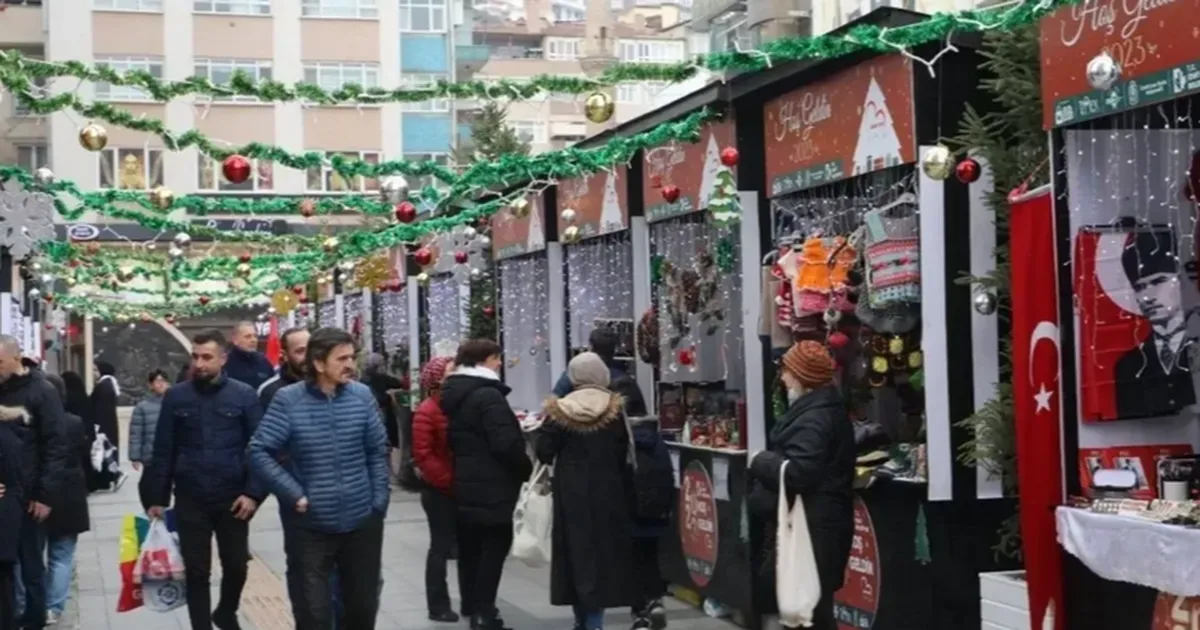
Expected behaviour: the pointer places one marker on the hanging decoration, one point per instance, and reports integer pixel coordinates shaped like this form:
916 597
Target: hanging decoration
692 292
423 257
373 271
571 235
93 137
724 205
406 212
938 162
568 216
985 302
647 337
1103 71
599 107
394 189
26 219
284 301
729 157
968 171
236 169
670 194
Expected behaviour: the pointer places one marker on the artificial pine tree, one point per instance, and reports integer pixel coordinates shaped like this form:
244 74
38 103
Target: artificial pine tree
1009 137
491 139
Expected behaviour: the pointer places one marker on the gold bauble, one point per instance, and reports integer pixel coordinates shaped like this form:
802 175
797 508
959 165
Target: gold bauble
519 208
162 197
243 269
283 301
93 137
423 279
599 107
571 234
938 162
330 244
372 272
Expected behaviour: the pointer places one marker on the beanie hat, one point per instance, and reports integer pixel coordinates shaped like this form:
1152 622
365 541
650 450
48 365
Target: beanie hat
810 363
433 372
587 369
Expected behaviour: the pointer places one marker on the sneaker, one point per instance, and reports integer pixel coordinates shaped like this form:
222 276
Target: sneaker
445 616
121 479
641 623
52 618
658 615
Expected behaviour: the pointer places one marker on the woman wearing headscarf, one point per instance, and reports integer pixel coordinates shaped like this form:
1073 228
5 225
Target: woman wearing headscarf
77 402
584 435
105 395
432 456
816 439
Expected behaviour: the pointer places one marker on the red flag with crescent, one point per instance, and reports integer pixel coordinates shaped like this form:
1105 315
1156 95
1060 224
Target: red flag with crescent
1036 395
274 351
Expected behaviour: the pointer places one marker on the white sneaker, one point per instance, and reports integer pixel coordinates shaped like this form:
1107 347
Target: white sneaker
52 618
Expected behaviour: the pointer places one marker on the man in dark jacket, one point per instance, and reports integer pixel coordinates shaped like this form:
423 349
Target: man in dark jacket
245 363
45 458
199 450
603 341
490 464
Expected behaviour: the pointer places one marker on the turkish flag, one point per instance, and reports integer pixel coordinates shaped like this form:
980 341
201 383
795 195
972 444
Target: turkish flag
274 350
1036 395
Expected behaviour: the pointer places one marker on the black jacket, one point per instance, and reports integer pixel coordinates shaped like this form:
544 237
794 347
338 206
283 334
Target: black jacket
104 411
816 438
490 460
12 504
43 437
266 391
70 514
251 368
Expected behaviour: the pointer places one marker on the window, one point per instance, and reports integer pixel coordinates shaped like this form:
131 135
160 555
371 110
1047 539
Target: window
108 92
333 75
339 9
211 179
531 131
419 81
423 16
325 179
415 184
650 51
642 93
129 5
220 72
33 156
567 14
563 48
131 169
233 7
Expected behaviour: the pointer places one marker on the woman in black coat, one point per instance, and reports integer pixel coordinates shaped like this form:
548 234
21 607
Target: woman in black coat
69 518
816 439
585 436
104 414
77 402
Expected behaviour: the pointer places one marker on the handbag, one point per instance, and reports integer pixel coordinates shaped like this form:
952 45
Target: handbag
797 583
533 519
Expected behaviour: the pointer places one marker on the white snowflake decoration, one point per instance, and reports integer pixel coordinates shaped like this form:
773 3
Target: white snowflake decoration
26 220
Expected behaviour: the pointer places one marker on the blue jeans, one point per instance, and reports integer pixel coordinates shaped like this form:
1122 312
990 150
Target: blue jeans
590 620
60 564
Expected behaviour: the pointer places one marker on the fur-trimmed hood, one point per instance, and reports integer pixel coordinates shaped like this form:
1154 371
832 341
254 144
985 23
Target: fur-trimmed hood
585 409
15 414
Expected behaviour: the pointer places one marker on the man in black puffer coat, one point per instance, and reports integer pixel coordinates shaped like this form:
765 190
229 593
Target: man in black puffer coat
490 464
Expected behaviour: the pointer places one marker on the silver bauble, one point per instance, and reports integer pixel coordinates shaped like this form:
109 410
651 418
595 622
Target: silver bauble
985 302
1103 71
394 188
43 176
484 240
47 279
568 216
470 232
34 294
183 239
476 272
938 162
175 253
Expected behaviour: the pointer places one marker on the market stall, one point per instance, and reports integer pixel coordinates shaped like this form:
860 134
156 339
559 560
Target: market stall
1118 100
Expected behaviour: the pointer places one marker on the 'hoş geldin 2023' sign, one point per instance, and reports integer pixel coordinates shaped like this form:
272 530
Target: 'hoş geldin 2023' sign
1155 42
857 121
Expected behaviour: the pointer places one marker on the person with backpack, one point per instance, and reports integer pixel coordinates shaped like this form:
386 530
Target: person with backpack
654 489
435 462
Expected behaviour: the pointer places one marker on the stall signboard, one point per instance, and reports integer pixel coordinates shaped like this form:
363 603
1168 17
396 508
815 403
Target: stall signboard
698 523
514 236
1174 612
857 121
1153 42
691 167
599 201
857 602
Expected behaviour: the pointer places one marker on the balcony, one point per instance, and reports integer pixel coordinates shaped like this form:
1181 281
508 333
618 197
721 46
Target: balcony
469 59
21 25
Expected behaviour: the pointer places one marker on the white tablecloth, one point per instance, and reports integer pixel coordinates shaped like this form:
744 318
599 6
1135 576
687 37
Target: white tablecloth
1126 549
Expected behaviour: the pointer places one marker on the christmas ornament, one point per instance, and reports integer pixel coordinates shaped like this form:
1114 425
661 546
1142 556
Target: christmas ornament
298 290
182 239
43 176
372 271
394 285
244 257
519 208
49 297
985 302
406 212
599 107
26 221
423 257
307 207
283 301
330 244
423 279
687 356
568 216
162 197
838 340
236 169
484 241
967 171
724 205
937 162
93 137
647 337
670 193
34 293
470 233
243 270
1103 71
461 257
394 188
729 156
489 311
656 181
571 235
476 273
203 300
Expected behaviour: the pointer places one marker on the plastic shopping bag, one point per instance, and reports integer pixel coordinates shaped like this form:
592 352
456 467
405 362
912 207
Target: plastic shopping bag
104 455
533 519
159 559
135 528
797 583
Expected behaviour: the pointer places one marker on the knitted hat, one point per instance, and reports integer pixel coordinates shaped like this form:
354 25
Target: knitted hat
587 369
810 363
433 372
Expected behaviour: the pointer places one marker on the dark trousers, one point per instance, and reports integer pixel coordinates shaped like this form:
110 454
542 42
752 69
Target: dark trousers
439 511
33 572
294 575
481 553
8 604
197 524
650 585
355 555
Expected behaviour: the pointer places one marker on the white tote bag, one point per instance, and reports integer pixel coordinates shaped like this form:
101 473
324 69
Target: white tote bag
533 519
797 583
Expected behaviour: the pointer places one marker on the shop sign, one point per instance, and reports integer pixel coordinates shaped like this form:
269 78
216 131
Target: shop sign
855 122
512 236
599 201
82 232
690 167
857 602
698 523
1153 41
1173 612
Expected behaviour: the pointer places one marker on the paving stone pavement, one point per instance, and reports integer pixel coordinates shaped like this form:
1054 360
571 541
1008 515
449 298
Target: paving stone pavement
524 592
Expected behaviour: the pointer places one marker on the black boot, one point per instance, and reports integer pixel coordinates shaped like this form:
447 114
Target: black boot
487 622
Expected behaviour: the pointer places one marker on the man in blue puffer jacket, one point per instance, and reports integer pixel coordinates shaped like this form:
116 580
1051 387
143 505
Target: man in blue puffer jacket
200 445
336 481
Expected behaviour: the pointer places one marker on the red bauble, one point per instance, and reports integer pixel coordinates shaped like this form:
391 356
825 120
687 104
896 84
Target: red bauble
489 311
236 169
394 285
838 340
203 299
406 212
967 171
308 207
298 290
245 257
670 193
170 320
656 181
49 297
461 257
423 257
729 156
687 356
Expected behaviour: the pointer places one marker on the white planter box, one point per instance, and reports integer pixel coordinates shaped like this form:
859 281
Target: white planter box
1004 601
